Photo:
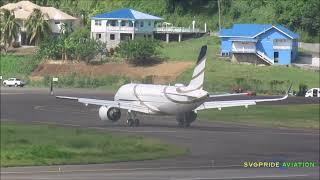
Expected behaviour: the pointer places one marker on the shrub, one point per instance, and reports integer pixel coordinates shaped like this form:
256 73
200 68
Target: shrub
302 90
139 51
148 79
77 45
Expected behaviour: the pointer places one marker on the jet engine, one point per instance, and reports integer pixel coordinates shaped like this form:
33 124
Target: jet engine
109 113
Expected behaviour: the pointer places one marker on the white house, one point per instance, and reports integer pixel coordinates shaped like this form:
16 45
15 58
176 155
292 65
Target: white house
111 28
23 9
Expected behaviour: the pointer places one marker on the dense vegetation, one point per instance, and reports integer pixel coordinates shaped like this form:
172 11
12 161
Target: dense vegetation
23 144
37 27
140 51
301 16
76 45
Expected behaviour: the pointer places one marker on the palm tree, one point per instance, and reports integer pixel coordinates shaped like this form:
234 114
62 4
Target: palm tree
37 26
9 28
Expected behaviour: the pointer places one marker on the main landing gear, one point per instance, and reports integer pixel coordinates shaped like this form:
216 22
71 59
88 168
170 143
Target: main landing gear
185 119
132 119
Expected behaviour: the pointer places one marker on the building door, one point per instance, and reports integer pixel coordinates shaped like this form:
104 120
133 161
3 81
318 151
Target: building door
276 57
23 38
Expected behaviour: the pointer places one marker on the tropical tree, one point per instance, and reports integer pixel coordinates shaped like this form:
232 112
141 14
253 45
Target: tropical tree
9 28
37 26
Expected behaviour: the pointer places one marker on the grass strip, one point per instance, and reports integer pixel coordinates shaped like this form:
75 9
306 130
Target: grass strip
288 116
25 145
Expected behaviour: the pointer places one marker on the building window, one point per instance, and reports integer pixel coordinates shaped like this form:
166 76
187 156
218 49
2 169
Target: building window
98 36
57 22
280 40
112 36
141 24
149 23
123 23
113 23
97 22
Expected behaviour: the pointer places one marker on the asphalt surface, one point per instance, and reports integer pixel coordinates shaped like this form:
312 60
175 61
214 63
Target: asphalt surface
217 150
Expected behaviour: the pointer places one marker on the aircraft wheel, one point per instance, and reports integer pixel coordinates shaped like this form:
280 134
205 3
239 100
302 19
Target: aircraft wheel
186 124
180 124
130 122
137 122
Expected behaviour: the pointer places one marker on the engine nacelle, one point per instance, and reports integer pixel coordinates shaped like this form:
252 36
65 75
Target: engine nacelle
109 113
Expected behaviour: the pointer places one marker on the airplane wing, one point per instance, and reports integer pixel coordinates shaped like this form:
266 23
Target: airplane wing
133 106
222 104
246 103
227 94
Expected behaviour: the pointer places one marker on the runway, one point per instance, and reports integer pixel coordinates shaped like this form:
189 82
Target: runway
216 150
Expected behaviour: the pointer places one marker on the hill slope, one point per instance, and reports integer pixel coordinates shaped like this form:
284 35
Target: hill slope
301 16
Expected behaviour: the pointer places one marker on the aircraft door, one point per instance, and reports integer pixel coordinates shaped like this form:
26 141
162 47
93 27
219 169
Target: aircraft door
315 93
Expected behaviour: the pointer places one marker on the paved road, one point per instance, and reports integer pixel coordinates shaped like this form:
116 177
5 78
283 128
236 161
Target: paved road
217 150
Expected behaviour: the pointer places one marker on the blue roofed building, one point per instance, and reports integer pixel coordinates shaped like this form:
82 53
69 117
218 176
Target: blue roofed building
116 26
259 44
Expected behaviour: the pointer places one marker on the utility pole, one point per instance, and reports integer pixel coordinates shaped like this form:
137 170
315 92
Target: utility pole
219 15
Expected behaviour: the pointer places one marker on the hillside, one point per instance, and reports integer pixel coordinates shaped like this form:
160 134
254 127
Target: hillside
220 76
301 16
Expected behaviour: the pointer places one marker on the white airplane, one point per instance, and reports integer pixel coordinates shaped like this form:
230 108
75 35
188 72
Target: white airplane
181 101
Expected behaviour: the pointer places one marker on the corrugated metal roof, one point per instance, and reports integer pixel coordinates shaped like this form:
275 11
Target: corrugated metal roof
253 30
245 30
243 39
287 31
23 9
126 14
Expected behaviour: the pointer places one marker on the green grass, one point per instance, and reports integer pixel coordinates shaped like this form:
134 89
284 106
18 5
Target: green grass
24 145
17 66
74 80
292 116
188 50
222 75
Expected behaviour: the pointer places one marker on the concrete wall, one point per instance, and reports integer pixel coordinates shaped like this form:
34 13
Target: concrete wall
112 43
295 53
56 28
284 57
313 47
148 26
226 45
248 58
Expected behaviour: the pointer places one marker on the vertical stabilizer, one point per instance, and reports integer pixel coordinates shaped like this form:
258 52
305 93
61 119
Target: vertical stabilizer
198 72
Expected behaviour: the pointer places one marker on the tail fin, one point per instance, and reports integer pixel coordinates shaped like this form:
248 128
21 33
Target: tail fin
198 72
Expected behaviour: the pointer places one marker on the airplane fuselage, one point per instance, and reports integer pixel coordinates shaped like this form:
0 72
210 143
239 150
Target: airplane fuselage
161 99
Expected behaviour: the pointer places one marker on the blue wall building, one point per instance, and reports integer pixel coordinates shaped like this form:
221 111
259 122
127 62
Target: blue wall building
266 43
